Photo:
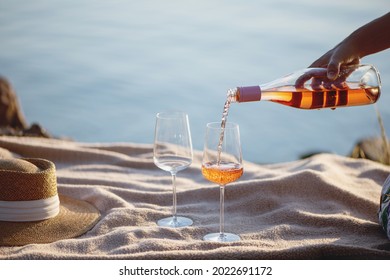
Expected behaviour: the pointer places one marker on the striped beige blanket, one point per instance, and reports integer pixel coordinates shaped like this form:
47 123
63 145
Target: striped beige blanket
321 207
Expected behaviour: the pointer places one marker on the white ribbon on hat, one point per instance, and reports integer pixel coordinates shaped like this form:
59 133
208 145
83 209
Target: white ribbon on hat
28 211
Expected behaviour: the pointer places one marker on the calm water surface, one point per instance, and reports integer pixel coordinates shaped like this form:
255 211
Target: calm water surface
99 71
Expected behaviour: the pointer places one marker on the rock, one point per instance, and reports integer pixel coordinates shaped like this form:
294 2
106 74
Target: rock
12 120
373 149
36 130
10 112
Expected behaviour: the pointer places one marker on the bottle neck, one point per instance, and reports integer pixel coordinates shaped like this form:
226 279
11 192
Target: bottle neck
245 94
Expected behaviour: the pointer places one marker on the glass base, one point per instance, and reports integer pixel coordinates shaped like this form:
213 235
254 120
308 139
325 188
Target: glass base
175 222
221 237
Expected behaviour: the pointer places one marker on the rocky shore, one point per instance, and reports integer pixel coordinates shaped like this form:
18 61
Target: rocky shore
12 120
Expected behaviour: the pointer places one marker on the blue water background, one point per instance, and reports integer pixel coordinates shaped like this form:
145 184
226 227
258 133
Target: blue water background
99 71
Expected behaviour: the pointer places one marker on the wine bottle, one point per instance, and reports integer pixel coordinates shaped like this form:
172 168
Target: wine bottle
310 89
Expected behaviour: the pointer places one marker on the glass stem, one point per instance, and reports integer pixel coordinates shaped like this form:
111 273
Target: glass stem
221 211
174 212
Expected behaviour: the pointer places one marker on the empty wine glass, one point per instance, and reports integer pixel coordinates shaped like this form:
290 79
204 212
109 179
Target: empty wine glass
173 152
222 164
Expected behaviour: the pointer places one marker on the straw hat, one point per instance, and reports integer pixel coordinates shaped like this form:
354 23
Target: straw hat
31 210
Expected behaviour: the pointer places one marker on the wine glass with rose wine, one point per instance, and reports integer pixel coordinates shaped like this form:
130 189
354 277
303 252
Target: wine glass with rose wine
222 164
172 152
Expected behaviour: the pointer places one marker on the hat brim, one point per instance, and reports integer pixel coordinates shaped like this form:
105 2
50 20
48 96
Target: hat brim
75 218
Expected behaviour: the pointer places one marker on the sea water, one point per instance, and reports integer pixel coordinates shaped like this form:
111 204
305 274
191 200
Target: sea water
99 71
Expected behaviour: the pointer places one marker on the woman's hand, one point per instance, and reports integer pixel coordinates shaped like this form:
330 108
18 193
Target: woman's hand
343 55
368 39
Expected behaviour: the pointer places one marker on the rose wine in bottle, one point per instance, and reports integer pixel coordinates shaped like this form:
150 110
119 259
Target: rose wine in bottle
310 89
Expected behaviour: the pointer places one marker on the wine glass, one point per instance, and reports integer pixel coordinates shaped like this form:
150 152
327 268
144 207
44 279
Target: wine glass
172 152
222 164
